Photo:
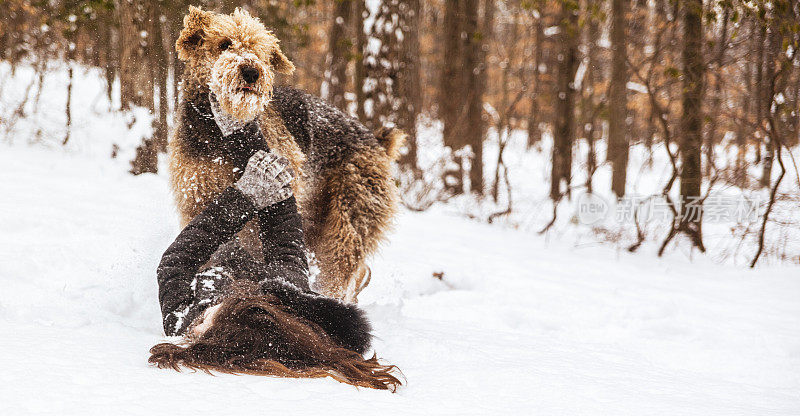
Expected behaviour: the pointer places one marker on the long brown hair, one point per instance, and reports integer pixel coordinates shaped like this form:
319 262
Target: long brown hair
257 335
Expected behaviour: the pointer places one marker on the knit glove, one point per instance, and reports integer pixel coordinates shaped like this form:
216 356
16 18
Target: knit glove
266 179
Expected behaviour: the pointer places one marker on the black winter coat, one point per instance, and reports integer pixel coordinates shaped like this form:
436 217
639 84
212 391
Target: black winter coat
185 291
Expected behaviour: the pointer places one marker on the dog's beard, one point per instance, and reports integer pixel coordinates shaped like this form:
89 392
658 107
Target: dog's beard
226 123
238 99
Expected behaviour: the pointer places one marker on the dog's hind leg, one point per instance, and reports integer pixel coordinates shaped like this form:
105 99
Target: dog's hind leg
360 202
340 254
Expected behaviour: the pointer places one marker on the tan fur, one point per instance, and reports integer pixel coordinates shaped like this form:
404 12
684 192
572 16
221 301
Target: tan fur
346 209
355 221
281 141
195 181
392 140
199 46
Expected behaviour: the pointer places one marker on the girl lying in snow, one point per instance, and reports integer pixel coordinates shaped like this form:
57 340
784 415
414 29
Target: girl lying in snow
247 316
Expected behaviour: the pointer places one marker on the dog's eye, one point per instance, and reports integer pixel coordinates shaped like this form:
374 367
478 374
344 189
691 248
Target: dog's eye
195 40
224 45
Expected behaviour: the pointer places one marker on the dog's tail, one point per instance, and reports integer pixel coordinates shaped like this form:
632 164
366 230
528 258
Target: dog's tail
391 139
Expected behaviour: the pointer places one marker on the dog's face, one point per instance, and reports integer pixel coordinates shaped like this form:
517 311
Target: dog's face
236 56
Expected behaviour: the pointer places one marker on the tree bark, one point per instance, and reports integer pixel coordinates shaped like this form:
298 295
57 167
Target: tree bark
410 85
589 125
474 66
359 15
618 100
392 71
772 49
109 51
160 68
691 122
716 98
760 87
340 49
451 96
534 133
136 84
744 130
127 51
564 131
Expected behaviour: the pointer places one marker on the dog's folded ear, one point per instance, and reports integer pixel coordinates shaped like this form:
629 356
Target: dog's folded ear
281 63
193 33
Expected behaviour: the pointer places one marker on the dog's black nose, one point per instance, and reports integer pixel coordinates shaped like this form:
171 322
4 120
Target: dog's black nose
249 74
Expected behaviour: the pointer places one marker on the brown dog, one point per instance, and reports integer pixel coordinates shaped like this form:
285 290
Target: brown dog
344 185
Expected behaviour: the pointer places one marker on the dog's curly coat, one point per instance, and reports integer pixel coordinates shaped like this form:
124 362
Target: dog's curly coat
344 184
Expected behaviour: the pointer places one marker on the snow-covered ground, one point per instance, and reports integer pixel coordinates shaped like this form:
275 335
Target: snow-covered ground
519 325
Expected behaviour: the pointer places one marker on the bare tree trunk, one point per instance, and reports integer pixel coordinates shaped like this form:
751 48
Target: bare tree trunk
160 79
174 26
773 48
564 131
474 66
781 113
69 98
505 108
760 87
136 85
534 133
618 100
340 48
744 130
691 123
127 50
589 106
451 95
392 70
410 85
794 127
359 15
109 53
141 74
716 98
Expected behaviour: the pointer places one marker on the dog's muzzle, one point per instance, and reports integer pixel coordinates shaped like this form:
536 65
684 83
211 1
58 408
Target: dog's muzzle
249 74
242 84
